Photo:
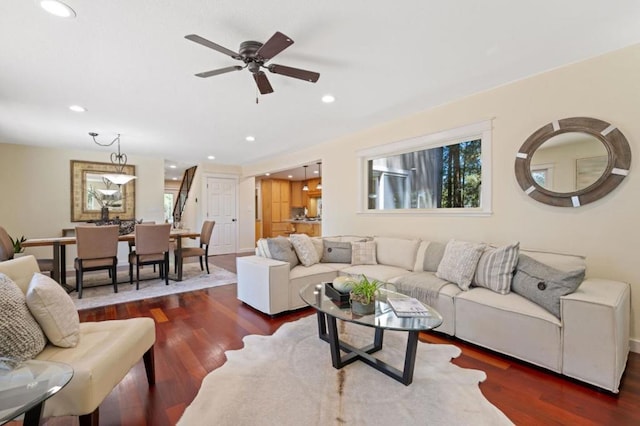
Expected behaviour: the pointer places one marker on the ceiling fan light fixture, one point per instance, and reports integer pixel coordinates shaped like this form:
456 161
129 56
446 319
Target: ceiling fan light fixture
57 8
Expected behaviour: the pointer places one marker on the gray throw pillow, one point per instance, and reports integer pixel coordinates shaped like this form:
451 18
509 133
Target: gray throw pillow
21 337
336 252
543 284
282 249
432 256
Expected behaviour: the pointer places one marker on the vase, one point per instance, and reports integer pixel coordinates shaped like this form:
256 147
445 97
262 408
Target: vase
104 214
363 309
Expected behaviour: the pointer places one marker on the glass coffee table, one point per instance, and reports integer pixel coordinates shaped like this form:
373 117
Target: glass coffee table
384 318
24 388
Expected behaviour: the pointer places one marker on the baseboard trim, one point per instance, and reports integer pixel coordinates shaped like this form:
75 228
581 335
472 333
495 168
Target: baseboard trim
246 250
634 345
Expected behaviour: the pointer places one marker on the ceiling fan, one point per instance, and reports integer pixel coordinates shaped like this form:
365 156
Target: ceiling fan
255 55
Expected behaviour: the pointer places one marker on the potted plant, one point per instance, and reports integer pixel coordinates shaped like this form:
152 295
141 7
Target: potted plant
363 295
17 245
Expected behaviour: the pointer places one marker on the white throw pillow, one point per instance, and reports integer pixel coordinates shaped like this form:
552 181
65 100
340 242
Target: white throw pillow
459 262
363 253
305 249
54 310
496 266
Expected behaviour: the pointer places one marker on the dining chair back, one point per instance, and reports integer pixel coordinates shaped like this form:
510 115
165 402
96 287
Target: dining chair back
202 251
97 250
151 248
7 253
6 245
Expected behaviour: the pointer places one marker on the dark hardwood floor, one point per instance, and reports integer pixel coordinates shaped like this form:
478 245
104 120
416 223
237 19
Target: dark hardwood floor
195 329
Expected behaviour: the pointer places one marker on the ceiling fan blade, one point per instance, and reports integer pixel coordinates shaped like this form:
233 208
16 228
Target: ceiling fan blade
294 72
212 45
276 44
219 71
263 83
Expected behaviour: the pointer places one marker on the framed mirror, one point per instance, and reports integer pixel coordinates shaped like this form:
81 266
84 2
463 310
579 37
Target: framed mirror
90 192
573 161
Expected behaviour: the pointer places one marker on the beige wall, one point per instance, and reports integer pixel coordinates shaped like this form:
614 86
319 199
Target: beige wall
35 188
606 231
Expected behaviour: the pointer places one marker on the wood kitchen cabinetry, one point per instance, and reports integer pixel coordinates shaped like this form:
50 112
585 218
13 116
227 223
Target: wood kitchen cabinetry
276 207
311 229
296 194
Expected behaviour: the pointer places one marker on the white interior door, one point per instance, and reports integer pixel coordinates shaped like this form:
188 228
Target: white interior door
221 207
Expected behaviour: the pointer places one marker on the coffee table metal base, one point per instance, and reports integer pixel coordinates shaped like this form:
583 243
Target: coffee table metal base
328 331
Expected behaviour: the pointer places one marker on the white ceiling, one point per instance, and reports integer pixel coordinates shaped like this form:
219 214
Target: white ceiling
128 63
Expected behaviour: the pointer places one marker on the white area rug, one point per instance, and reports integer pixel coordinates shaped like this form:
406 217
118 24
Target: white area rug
288 379
95 293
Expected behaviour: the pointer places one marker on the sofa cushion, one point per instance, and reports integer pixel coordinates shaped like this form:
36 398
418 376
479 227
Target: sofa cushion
305 249
433 256
495 268
363 253
459 262
378 272
281 249
335 252
54 310
400 252
543 284
562 261
21 337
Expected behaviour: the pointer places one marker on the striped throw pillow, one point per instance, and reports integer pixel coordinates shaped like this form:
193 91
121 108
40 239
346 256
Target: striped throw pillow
496 266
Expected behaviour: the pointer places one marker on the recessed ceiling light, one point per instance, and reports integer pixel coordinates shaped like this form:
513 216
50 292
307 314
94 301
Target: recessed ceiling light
77 108
267 174
57 8
290 176
315 172
173 166
211 157
327 99
250 138
175 178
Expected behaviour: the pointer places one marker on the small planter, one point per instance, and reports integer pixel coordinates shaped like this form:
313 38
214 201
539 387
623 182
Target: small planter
362 309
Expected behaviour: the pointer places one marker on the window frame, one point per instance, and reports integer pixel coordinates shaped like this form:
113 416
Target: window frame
481 130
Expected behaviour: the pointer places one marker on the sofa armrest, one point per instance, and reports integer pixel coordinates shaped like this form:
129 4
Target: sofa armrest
595 324
263 283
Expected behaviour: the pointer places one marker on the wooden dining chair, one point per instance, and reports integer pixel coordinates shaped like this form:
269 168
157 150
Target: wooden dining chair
97 250
202 251
151 248
7 253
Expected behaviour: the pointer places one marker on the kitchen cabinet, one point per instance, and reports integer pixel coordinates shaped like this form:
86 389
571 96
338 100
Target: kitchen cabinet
311 229
296 195
276 206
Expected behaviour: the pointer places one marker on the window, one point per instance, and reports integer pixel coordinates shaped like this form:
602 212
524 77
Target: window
168 207
445 172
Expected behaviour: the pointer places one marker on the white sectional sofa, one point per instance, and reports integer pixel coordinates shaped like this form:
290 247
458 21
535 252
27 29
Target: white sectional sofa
588 340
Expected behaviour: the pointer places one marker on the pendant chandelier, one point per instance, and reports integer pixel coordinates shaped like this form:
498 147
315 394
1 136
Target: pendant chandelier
305 187
118 159
319 186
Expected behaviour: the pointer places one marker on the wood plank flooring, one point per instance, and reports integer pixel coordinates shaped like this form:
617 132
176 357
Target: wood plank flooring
195 329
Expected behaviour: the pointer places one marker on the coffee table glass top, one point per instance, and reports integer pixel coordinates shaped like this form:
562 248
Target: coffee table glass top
29 383
384 316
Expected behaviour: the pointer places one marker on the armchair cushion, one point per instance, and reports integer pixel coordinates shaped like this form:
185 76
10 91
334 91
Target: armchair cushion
20 335
54 310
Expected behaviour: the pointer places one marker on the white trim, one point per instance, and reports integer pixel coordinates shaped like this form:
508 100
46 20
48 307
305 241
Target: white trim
556 125
608 130
634 345
575 201
522 155
617 171
479 130
530 190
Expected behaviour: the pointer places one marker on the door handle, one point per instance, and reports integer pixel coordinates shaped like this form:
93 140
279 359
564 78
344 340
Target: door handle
233 220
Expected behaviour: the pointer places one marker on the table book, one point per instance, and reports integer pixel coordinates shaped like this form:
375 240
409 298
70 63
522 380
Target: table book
408 307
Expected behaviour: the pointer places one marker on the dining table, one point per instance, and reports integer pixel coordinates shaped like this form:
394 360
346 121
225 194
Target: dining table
59 245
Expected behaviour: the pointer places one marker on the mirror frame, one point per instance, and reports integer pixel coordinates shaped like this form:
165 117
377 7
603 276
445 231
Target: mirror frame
618 163
79 187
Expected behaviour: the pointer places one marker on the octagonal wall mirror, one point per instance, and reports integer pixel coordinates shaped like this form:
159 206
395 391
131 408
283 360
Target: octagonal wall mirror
573 161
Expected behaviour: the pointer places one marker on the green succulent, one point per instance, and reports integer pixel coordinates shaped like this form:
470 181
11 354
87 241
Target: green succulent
364 291
17 244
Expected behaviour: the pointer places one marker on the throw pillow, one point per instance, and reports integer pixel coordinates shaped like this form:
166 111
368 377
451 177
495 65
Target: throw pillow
433 256
459 262
317 244
20 335
336 252
363 253
281 249
495 268
54 310
543 284
304 249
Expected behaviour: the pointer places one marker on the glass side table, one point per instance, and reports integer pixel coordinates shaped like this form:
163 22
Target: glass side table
24 387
